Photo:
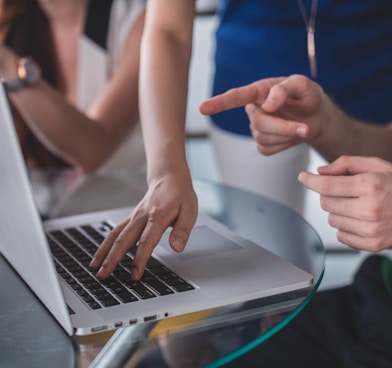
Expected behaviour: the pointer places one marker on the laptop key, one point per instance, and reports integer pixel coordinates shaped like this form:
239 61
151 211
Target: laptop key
94 305
109 302
182 287
126 297
94 234
159 287
141 291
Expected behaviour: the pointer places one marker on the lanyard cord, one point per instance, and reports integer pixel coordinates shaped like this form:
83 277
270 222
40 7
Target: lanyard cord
310 23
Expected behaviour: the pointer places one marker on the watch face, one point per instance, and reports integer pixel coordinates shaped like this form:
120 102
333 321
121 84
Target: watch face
29 71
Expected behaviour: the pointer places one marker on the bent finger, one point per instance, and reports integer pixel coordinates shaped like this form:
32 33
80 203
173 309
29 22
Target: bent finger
296 87
156 225
354 165
272 124
106 245
125 240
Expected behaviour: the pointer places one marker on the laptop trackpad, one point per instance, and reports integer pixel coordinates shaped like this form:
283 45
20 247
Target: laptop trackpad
202 242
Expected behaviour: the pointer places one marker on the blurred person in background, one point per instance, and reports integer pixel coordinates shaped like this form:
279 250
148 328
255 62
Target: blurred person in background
71 69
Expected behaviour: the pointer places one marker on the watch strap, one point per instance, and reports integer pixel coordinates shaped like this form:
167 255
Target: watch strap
14 85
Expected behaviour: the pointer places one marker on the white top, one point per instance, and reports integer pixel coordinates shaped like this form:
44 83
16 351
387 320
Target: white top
96 65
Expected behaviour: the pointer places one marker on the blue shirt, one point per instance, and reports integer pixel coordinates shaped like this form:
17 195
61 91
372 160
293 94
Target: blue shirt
267 38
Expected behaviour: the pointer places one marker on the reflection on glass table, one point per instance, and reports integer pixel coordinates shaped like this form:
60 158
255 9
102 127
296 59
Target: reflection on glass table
208 338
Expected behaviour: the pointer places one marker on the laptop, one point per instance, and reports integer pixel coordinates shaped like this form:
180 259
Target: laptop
217 268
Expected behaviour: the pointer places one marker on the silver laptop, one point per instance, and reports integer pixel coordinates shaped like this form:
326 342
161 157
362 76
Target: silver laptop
217 268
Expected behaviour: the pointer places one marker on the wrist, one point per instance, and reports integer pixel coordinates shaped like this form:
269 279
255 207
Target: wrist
335 124
8 64
179 171
165 160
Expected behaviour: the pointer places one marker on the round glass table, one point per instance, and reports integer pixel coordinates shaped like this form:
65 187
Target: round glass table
210 338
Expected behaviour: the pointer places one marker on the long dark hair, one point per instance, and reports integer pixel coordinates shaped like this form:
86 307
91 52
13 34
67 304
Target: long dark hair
25 29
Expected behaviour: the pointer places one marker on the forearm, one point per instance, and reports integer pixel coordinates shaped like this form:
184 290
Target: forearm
163 97
343 135
62 128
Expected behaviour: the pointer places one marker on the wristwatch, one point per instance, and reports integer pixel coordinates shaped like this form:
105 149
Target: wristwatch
29 73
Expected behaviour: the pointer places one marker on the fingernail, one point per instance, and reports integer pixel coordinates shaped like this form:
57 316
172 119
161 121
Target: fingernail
93 263
100 272
300 177
134 274
301 131
270 101
178 244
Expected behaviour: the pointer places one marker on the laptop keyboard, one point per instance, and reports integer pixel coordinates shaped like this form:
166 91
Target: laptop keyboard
73 249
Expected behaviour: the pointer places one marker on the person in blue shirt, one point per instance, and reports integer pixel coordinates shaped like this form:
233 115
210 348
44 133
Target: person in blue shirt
349 326
260 39
355 186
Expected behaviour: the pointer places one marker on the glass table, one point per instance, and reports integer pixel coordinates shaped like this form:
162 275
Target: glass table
205 339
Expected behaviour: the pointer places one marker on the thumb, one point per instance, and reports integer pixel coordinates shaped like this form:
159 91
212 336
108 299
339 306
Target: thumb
354 165
180 233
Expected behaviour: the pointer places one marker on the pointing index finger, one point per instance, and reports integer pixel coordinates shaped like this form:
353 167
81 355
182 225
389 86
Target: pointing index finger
253 93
